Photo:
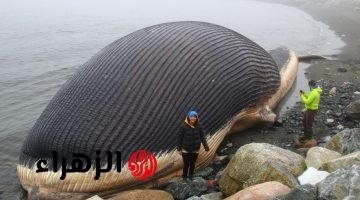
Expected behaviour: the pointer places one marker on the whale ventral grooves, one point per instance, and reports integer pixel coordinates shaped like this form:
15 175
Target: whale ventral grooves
136 91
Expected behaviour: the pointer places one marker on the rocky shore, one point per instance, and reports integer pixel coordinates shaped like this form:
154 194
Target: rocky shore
261 163
262 171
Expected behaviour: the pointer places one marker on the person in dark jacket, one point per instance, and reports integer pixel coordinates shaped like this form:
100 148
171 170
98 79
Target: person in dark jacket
191 135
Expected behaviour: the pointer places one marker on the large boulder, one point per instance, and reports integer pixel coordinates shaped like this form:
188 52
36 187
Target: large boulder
257 163
342 184
353 110
316 156
182 189
142 194
301 192
342 162
345 142
261 191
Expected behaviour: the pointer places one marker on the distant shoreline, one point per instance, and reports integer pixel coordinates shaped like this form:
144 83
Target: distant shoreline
343 17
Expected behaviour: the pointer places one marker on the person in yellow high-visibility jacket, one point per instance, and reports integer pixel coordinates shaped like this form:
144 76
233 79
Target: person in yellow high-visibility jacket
311 100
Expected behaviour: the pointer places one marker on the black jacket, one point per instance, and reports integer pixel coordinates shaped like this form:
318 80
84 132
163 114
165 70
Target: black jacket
191 138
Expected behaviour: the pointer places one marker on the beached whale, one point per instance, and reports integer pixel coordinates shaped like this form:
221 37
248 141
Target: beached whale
135 93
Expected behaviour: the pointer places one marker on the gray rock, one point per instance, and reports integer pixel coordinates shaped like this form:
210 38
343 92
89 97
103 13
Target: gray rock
325 139
218 175
302 151
340 127
328 112
345 142
204 172
353 110
316 156
342 162
330 121
351 141
256 163
96 197
342 184
212 196
345 96
224 150
221 160
341 69
338 114
301 192
194 198
182 189
332 91
200 184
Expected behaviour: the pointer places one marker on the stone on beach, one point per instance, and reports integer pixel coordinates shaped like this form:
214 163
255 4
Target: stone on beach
345 142
312 176
342 184
261 191
204 172
342 162
257 163
95 197
182 189
212 196
332 91
316 156
353 110
301 192
143 194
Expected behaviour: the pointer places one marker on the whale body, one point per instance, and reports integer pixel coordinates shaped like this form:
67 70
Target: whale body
135 93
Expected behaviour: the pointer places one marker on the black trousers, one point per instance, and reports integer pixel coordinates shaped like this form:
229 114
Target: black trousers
308 121
189 160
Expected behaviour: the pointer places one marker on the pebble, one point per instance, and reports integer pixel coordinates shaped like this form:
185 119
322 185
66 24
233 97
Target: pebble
330 121
218 175
340 127
344 95
194 198
204 172
341 69
219 160
224 150
332 91
345 84
212 196
326 139
96 197
229 145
